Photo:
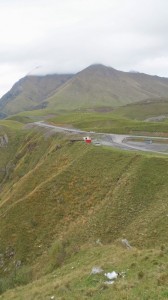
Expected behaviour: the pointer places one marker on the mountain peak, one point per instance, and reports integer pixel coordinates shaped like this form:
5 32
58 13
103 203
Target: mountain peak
100 67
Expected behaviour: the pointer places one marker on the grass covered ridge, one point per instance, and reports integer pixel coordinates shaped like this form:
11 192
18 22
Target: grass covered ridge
111 122
129 119
59 198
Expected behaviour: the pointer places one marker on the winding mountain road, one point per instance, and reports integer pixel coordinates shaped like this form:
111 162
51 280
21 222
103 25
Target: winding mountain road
126 142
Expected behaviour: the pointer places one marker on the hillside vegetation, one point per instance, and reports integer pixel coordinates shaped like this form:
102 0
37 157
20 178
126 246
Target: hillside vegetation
30 92
112 122
149 110
96 87
101 86
64 208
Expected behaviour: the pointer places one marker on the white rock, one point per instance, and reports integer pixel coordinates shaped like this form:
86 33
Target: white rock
113 275
126 243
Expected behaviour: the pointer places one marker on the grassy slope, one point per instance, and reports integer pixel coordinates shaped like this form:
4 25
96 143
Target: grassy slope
101 86
146 277
96 87
143 110
127 119
31 91
110 122
59 197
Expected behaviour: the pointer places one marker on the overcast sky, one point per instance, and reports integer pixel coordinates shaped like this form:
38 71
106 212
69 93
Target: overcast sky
63 36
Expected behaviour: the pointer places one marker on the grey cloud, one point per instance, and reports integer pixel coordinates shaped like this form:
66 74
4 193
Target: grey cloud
68 35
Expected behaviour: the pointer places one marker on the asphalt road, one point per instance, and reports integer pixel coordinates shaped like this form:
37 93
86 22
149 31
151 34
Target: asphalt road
126 142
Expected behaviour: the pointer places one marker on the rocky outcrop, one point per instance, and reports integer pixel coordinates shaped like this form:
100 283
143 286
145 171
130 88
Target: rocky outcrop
4 140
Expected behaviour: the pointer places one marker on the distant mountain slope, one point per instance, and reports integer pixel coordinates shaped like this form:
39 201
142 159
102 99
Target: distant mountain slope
30 91
101 86
97 86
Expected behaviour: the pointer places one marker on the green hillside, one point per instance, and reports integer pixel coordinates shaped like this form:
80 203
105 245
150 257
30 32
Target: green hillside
100 86
151 109
97 87
30 92
112 122
64 208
